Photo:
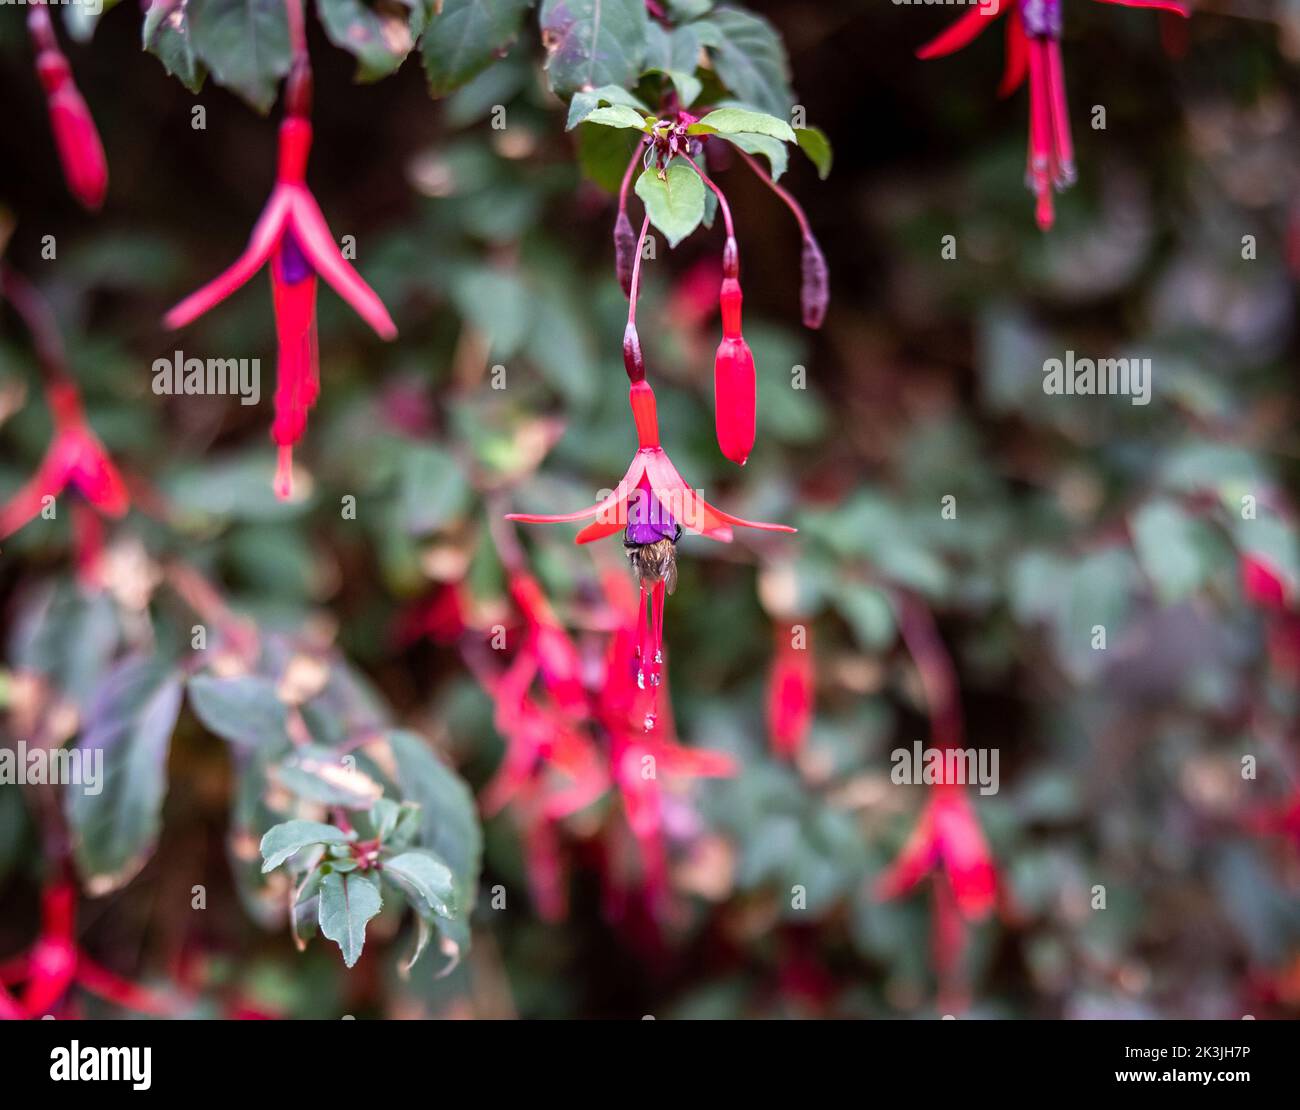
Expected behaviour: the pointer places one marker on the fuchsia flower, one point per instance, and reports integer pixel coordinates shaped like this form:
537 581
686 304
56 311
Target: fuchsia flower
293 236
1033 48
947 839
1262 585
75 459
735 389
651 505
790 693
82 154
55 964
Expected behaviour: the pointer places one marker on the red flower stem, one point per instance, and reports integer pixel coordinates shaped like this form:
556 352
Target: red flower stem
627 176
722 200
36 314
298 86
633 360
779 190
935 665
636 272
297 28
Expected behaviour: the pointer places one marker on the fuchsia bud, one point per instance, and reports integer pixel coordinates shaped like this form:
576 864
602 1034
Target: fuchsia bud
84 166
815 289
734 385
624 251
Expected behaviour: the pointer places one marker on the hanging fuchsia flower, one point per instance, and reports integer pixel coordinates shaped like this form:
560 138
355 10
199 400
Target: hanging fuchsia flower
1033 37
790 691
651 505
77 460
735 390
84 166
948 839
55 964
292 235
641 764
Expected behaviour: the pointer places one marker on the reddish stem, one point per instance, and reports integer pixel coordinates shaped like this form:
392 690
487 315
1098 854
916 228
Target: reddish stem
36 314
779 190
636 272
722 200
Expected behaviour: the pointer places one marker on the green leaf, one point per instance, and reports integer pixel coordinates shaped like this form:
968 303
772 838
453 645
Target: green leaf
449 825
674 202
425 880
618 115
68 638
778 158
590 43
814 143
584 103
282 841
676 54
347 902
497 302
466 37
115 820
244 43
868 612
1178 552
320 775
166 35
749 58
603 154
434 491
243 709
735 121
380 34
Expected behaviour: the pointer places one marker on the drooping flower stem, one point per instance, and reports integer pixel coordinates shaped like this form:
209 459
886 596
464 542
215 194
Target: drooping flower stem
734 261
623 237
36 314
815 291
633 360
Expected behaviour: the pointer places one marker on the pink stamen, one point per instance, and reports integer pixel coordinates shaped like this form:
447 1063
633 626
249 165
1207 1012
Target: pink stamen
1060 113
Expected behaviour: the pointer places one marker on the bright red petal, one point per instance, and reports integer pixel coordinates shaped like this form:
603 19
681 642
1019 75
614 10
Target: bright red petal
1017 63
1178 7
265 236
318 245
960 34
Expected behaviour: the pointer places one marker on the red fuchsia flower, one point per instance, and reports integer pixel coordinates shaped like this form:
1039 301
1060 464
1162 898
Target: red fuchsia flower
735 389
1033 38
641 762
292 235
1262 585
77 460
790 691
651 505
54 964
557 658
84 166
947 840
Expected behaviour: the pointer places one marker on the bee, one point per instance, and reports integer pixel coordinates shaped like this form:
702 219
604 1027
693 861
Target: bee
655 562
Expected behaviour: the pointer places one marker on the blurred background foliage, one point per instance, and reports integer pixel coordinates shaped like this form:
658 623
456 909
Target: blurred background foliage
1119 767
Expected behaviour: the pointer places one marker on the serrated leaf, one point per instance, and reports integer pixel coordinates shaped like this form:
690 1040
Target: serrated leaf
749 58
243 709
380 33
617 115
590 43
244 44
283 840
425 880
736 121
674 202
466 37
584 103
347 903
166 35
814 143
128 726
